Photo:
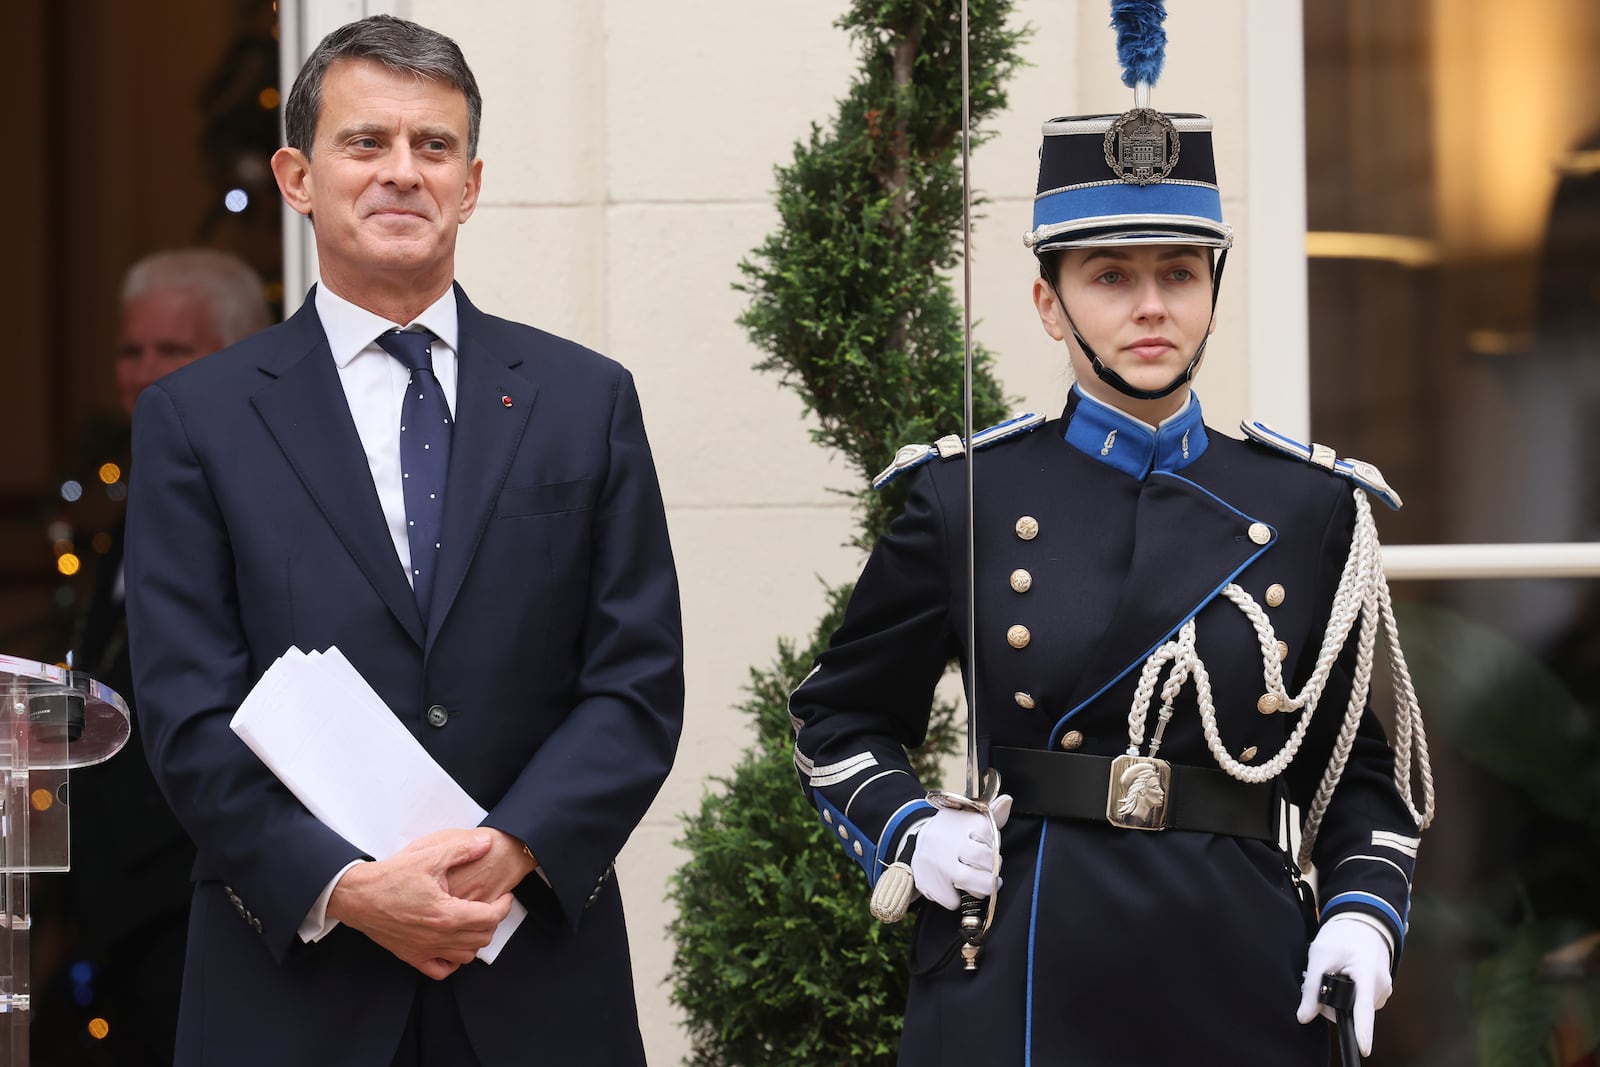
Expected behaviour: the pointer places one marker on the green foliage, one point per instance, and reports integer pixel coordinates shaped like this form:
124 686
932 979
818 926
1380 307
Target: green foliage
1503 710
778 961
849 297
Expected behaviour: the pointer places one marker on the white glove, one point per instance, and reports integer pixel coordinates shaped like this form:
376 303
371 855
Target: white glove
955 853
1347 945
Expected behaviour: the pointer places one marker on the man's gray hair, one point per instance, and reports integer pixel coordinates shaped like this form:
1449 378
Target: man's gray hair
400 45
228 286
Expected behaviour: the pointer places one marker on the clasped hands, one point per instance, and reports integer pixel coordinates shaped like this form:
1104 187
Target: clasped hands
437 901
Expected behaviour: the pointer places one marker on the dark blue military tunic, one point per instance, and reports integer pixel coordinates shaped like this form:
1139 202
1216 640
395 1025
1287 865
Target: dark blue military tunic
1110 945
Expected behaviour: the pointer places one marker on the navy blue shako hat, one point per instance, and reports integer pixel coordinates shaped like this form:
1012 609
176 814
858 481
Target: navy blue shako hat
1139 178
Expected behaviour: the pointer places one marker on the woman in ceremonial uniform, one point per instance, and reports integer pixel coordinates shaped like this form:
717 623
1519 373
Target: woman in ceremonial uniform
1174 633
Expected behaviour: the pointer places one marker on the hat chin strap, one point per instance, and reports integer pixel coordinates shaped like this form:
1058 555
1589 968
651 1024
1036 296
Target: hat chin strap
1117 381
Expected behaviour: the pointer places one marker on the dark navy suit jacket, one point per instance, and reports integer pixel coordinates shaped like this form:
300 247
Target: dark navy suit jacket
554 646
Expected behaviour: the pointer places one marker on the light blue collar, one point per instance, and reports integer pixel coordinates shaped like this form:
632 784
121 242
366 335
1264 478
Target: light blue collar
1119 440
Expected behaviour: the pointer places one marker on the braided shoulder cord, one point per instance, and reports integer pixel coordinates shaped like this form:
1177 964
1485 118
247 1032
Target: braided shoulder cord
1363 593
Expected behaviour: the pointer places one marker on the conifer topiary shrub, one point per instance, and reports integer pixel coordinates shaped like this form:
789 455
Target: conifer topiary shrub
778 961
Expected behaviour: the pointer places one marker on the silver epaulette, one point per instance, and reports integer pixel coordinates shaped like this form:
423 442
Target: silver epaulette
950 446
1359 471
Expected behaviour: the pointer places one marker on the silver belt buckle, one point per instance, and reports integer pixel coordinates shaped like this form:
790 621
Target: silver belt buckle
1139 793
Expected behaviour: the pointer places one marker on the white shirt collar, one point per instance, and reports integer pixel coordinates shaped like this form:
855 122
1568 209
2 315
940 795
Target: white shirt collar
351 329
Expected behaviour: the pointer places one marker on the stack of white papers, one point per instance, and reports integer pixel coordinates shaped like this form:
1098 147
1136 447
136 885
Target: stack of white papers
317 725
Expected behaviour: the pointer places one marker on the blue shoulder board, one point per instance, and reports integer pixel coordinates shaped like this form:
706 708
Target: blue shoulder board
948 447
1359 471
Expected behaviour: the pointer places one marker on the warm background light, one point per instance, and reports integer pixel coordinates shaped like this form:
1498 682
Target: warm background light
1387 247
1513 86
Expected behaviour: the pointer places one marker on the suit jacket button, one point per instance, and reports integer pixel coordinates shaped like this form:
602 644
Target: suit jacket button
437 715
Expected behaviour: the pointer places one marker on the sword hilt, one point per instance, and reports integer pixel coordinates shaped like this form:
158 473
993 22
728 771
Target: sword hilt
977 914
973 930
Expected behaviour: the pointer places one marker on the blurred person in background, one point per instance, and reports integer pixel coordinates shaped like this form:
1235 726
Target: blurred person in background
128 888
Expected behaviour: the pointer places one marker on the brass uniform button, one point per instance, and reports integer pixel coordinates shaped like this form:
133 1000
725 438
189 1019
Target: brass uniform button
827 817
1071 740
1260 533
1024 700
1018 636
1248 754
1027 527
844 833
1021 580
1268 703
1283 651
1274 595
857 846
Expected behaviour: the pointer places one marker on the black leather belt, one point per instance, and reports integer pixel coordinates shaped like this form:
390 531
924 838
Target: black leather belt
1135 793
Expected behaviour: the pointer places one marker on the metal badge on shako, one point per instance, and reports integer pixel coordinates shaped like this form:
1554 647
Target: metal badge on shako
1142 146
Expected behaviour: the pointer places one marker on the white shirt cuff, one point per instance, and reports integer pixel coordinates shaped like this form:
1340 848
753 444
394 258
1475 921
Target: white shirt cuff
316 925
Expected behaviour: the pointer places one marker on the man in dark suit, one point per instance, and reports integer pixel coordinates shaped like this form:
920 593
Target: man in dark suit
514 604
129 881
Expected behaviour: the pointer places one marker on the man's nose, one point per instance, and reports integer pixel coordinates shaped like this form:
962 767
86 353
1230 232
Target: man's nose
401 167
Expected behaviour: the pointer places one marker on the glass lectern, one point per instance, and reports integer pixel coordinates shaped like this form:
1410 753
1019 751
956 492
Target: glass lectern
50 719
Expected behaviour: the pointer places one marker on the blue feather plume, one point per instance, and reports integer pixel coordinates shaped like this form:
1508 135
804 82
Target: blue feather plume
1141 42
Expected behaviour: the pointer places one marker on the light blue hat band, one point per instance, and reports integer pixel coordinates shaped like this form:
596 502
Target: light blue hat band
1094 202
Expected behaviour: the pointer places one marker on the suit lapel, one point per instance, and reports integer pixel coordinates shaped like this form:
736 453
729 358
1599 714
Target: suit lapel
306 411
487 432
1188 545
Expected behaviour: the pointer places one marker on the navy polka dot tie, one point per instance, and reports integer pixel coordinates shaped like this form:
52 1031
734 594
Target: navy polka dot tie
424 456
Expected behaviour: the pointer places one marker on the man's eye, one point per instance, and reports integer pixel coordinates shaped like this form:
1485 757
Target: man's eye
1110 277
1182 274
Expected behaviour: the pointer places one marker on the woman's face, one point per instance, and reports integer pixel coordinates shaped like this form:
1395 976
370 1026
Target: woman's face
1143 309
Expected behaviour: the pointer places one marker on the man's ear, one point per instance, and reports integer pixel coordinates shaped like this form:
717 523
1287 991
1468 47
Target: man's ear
469 194
293 171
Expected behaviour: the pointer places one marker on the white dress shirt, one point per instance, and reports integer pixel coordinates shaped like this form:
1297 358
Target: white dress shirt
374 386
